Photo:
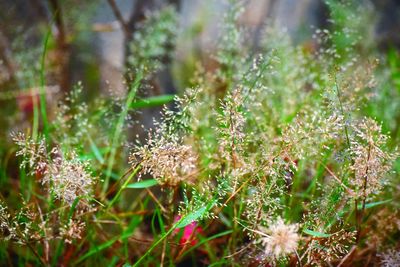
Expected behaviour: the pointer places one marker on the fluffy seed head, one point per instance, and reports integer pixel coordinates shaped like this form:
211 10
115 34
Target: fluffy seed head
282 239
390 258
68 177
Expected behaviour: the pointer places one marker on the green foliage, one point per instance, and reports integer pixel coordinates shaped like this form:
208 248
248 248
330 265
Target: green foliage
149 47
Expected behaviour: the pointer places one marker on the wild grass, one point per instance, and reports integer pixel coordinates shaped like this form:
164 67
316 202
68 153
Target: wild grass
284 156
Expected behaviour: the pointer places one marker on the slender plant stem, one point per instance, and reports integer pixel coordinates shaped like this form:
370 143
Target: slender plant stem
118 130
361 214
134 172
120 18
343 114
42 94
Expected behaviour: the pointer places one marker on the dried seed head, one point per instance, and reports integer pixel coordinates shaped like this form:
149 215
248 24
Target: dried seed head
72 230
390 258
168 162
280 239
331 248
371 161
33 153
68 178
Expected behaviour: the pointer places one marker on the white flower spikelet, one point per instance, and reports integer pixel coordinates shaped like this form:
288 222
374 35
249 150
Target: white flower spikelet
280 239
168 162
390 258
72 230
68 178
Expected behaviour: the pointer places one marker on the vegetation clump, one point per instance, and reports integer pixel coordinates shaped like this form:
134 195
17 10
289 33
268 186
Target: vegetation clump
275 157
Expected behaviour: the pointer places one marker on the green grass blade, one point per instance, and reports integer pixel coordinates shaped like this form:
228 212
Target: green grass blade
193 216
134 172
97 249
155 244
118 130
316 234
184 221
373 204
153 101
125 235
73 207
95 150
143 184
42 91
205 241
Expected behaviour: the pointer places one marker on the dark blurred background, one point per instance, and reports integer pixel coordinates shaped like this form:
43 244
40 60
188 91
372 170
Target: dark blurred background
90 41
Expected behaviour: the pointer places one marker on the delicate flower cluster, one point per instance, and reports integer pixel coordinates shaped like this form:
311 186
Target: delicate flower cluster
165 156
386 223
72 120
230 44
328 249
152 41
231 128
7 227
371 162
310 134
33 153
167 161
390 258
72 230
68 178
280 239
18 227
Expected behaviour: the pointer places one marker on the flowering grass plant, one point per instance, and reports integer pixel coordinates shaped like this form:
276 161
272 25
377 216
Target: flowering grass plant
283 156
